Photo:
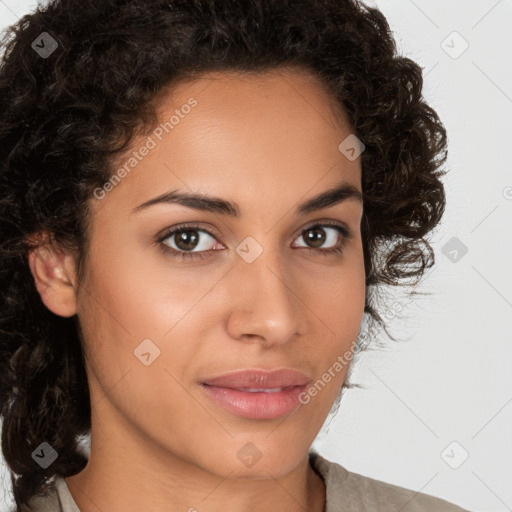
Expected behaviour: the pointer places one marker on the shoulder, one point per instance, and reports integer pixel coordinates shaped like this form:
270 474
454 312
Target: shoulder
47 502
347 492
56 498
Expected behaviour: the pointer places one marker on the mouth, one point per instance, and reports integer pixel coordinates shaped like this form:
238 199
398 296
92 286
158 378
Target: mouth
263 390
257 394
254 403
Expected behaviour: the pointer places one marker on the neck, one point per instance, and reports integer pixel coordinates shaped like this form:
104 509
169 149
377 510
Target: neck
128 472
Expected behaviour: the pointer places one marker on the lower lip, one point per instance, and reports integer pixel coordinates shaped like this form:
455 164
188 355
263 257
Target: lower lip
256 405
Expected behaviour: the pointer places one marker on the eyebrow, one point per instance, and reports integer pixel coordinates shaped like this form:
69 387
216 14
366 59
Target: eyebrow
326 199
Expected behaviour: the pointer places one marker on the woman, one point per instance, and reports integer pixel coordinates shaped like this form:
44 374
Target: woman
198 199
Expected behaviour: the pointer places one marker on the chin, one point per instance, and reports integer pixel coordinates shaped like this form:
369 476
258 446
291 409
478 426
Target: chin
250 461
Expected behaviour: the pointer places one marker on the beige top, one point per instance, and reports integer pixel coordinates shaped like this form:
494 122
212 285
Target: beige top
345 492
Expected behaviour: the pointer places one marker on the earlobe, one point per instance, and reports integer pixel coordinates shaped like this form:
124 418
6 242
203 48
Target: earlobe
54 278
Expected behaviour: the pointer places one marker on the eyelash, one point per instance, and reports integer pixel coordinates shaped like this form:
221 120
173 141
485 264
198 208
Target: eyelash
188 255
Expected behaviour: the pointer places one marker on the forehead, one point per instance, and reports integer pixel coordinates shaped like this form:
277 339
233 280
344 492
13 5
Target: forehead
283 118
276 133
292 86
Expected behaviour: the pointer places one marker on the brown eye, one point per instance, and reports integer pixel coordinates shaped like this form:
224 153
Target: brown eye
316 236
188 239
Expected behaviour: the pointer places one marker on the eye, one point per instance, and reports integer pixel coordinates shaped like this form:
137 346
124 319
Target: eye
191 241
319 234
187 242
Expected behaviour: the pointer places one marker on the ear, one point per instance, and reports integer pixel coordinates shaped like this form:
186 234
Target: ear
54 275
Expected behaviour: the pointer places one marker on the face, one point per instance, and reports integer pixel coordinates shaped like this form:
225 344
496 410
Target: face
254 281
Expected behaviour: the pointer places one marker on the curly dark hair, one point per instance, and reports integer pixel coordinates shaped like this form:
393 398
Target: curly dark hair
66 116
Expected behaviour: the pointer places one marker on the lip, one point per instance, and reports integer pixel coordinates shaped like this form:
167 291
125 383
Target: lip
274 393
258 378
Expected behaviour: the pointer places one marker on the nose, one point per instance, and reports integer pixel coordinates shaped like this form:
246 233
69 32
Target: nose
265 307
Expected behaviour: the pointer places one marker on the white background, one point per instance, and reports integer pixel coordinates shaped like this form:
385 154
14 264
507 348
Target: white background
451 380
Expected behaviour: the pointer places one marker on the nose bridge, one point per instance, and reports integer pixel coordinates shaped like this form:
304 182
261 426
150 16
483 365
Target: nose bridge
265 305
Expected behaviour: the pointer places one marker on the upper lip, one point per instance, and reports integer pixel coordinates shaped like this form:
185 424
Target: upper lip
258 378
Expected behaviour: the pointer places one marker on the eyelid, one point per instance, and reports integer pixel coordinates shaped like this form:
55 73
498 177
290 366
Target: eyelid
346 231
164 234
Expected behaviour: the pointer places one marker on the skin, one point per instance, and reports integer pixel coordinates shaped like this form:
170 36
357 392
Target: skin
267 142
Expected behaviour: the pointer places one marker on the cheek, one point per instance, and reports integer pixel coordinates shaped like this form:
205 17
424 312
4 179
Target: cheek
339 306
144 293
122 321
338 295
125 302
